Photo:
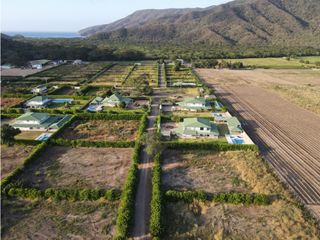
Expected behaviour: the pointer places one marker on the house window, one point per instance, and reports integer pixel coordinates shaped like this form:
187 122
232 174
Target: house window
201 128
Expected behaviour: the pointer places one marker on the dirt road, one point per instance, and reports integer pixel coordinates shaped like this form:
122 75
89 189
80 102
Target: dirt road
287 135
143 196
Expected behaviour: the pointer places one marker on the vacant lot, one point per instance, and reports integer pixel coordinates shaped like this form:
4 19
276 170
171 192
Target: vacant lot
12 157
100 130
287 135
79 168
10 102
30 135
114 76
281 220
301 87
63 220
208 171
184 74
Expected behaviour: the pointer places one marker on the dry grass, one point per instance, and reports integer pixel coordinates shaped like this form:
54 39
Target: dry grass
209 171
31 135
12 157
281 220
63 220
100 130
67 167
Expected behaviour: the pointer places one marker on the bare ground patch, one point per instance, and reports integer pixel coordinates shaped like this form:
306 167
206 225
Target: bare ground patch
12 157
9 102
79 168
100 130
63 220
281 220
209 171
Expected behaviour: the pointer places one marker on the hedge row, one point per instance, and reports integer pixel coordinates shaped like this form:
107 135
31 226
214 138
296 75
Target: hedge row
27 142
127 200
156 227
56 111
228 197
17 95
63 194
97 144
63 127
12 111
104 116
32 157
172 118
212 145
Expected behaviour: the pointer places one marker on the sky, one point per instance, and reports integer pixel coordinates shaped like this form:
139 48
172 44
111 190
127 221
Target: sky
73 15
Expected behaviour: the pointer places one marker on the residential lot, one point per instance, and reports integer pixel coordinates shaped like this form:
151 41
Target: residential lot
23 219
12 157
100 130
10 101
67 167
200 170
148 69
183 75
114 76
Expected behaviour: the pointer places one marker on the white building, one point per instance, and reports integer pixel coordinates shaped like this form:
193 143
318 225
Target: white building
40 89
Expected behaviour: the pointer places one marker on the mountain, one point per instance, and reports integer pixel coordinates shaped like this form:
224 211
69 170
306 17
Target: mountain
241 22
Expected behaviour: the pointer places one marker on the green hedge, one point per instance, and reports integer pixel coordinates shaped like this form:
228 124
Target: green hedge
63 194
156 227
227 197
62 128
97 144
12 111
27 142
212 145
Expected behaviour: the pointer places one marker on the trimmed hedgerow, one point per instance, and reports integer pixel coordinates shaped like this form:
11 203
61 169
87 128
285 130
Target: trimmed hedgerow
212 145
156 227
227 197
108 116
63 194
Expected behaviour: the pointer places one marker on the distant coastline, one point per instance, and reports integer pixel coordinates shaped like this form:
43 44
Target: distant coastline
45 34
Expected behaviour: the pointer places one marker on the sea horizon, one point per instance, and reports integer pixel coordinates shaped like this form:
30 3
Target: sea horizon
36 34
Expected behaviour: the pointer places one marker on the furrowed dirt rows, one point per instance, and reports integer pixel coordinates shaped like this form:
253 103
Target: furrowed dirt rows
285 139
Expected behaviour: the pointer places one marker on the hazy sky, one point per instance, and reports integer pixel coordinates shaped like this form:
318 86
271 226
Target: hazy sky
73 15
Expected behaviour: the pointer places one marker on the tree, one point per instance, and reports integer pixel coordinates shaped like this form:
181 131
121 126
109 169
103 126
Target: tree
8 133
152 140
177 65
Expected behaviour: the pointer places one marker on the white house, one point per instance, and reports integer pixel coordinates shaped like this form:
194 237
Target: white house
38 64
77 62
38 102
40 89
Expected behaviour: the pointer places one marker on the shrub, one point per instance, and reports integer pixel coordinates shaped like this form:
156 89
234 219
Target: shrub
212 145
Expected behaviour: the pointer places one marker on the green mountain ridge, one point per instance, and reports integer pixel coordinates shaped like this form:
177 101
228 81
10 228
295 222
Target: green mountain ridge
241 22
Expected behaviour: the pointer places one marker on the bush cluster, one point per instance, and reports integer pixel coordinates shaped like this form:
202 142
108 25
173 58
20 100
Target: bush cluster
156 227
212 145
227 197
63 194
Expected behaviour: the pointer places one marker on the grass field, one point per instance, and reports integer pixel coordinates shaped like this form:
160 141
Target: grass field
183 75
114 76
100 130
78 168
29 135
150 69
278 63
22 219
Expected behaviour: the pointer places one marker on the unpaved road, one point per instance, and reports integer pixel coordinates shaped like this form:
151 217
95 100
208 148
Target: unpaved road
288 136
143 196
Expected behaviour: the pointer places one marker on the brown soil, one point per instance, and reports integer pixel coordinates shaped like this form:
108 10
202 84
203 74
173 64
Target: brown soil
208 171
63 220
9 102
281 220
99 130
12 157
287 134
79 167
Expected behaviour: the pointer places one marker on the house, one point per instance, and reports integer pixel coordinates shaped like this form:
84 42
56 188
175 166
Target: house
77 62
40 89
6 66
38 102
38 64
183 84
197 127
96 101
234 126
116 100
194 104
221 117
32 121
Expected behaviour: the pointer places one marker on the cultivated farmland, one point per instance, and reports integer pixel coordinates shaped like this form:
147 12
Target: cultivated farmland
287 135
148 69
66 167
100 130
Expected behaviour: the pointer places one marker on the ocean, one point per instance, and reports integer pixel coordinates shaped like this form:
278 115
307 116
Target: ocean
45 34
